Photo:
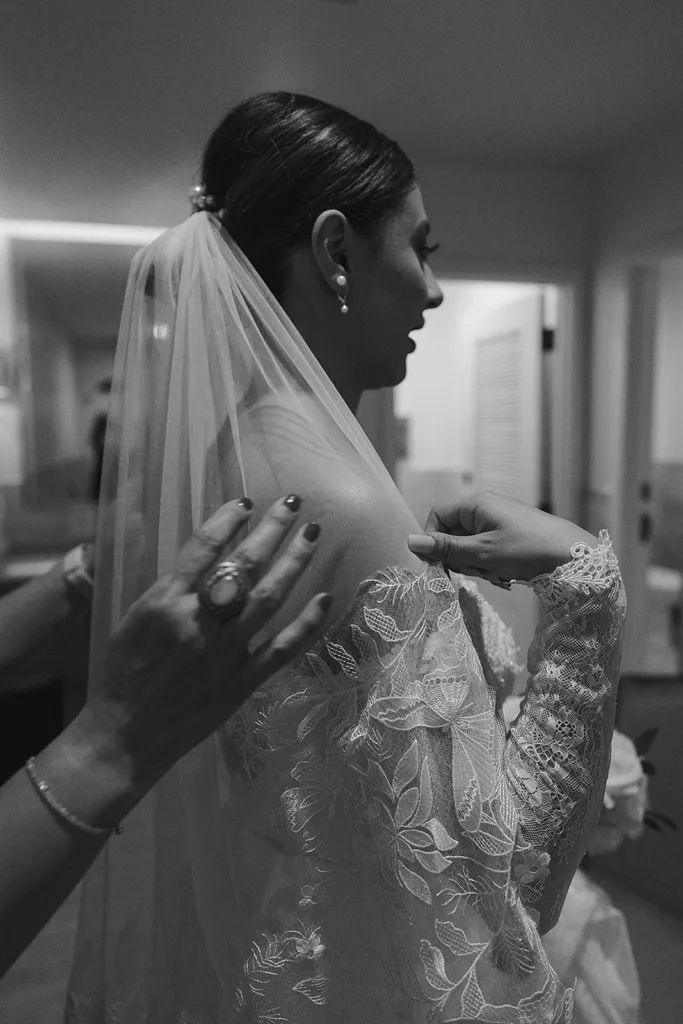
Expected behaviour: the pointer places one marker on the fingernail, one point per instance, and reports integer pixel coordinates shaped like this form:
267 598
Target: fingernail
421 544
312 532
325 601
246 503
293 502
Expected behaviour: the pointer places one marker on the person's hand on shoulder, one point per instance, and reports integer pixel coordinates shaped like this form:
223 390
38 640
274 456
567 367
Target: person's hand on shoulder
181 661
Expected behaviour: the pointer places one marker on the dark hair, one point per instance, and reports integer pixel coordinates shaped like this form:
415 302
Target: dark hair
278 160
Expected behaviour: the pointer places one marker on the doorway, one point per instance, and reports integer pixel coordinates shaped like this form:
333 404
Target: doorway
485 404
61 292
650 509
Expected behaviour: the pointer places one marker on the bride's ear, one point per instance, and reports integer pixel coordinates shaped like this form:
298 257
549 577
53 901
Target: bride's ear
329 244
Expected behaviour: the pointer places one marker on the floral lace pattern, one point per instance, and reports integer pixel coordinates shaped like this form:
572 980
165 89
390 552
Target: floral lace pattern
393 852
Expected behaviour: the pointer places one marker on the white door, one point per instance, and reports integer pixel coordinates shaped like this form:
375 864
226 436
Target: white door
507 428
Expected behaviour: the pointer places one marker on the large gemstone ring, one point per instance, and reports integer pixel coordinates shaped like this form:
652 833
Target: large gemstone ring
225 590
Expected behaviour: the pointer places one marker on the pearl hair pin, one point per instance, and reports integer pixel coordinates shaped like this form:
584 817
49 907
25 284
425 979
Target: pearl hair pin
200 201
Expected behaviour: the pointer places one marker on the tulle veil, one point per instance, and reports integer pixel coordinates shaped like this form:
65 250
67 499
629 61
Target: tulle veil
215 395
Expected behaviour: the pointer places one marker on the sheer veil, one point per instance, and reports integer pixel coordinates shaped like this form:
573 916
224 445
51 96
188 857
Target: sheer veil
361 842
215 395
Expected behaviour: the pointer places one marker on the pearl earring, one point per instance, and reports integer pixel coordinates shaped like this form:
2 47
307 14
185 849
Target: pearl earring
341 282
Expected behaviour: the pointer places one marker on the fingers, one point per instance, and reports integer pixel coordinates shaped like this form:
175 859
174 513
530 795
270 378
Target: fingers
436 524
470 556
209 541
269 593
433 547
293 641
457 553
455 517
256 551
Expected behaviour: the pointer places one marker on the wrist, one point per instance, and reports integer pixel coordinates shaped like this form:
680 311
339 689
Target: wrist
559 549
89 771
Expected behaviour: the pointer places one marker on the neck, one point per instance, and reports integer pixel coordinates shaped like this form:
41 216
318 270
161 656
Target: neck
332 354
347 387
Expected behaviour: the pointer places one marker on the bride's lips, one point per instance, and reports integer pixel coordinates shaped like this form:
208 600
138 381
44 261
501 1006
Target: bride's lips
413 343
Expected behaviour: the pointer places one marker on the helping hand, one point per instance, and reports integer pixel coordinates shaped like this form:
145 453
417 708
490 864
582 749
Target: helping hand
173 672
497 538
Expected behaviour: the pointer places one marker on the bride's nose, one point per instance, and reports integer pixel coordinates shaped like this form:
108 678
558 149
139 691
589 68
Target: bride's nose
434 293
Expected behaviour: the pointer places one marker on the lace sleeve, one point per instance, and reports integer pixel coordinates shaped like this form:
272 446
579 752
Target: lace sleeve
494 641
557 755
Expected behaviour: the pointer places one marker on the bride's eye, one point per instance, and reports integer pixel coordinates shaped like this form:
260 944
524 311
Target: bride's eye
427 250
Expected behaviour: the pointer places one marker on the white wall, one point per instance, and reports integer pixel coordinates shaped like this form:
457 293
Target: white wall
667 423
438 392
607 383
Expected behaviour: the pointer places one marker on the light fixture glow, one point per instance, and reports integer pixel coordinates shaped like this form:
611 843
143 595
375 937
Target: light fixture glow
75 231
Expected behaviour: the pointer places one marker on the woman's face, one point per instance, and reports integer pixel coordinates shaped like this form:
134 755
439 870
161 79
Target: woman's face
390 286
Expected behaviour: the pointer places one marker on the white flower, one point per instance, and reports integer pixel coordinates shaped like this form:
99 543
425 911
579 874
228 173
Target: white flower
626 771
625 800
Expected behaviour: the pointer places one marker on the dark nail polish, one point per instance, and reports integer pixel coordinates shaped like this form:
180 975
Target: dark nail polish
293 502
326 602
312 532
246 503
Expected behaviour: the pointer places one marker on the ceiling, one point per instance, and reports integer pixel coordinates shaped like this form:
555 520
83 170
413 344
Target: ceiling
101 98
100 101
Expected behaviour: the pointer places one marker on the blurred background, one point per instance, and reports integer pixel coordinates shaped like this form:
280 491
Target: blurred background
548 139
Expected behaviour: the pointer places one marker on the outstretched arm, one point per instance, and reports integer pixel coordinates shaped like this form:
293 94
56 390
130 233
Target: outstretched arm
557 755
55 817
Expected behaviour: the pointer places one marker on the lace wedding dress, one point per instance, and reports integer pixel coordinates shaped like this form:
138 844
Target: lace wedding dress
362 843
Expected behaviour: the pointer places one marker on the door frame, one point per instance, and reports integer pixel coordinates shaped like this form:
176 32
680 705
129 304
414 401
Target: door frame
622 370
634 490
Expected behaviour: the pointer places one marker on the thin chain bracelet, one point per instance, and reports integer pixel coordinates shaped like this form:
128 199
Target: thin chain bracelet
43 791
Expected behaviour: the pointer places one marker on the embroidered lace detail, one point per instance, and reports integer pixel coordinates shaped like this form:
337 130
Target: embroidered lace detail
392 852
557 756
590 571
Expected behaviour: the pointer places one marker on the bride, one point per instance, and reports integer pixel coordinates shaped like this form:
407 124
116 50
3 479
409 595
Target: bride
362 842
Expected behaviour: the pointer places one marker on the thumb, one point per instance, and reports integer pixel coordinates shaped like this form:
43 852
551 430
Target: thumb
456 552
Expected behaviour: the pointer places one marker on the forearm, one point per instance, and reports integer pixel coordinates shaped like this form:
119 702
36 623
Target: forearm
42 856
36 622
557 755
